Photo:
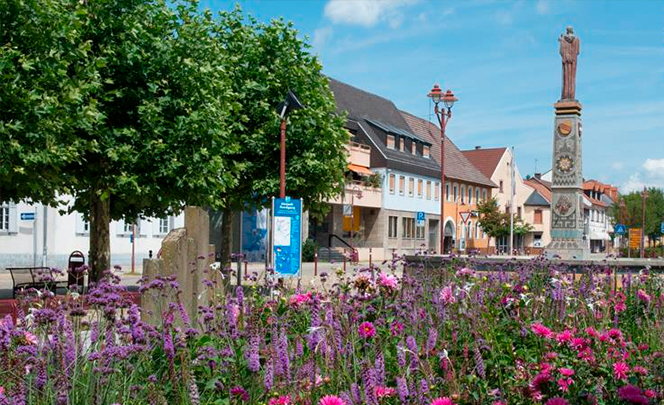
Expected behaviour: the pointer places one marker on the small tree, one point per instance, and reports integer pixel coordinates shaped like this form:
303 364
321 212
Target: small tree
121 105
632 216
496 224
266 61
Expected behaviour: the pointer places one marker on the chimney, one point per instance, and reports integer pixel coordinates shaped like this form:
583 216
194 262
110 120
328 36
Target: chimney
538 176
478 147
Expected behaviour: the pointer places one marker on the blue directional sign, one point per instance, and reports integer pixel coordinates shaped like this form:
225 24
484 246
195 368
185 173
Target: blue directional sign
420 218
287 236
27 216
619 229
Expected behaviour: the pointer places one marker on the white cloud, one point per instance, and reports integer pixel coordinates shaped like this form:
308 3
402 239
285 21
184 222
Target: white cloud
654 168
542 7
617 165
633 184
321 36
366 12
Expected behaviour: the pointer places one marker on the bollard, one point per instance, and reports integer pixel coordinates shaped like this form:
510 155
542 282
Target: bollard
345 263
370 265
246 268
316 262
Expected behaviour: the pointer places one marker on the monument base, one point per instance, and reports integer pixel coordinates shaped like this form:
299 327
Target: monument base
567 249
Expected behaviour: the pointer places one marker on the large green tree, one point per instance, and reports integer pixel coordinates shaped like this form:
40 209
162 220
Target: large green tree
121 104
266 60
496 223
632 215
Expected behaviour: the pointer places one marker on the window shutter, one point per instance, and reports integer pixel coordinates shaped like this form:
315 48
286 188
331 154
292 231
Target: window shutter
13 219
155 226
142 226
171 223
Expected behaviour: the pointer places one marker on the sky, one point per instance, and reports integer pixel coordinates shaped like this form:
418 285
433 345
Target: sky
501 60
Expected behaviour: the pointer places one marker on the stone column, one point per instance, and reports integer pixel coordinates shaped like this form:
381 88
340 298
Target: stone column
567 218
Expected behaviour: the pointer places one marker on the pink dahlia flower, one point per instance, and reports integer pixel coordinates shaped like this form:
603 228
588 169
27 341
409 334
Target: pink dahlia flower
446 296
557 401
331 400
388 281
541 330
385 392
442 401
367 330
30 338
620 371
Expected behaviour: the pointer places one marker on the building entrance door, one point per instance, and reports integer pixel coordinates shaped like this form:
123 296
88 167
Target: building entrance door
433 235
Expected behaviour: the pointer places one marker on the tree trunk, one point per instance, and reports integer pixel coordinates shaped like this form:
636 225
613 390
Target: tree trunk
100 242
226 237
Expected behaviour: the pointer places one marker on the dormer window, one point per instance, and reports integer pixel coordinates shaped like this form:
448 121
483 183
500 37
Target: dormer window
413 147
402 144
390 141
425 151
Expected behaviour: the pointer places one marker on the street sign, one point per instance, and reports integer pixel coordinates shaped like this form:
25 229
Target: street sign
420 218
27 216
465 216
348 210
635 238
286 236
619 229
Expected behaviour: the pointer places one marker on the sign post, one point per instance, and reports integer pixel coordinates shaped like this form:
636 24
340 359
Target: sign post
634 238
287 236
420 218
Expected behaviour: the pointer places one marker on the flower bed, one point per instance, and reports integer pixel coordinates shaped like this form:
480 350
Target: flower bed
531 333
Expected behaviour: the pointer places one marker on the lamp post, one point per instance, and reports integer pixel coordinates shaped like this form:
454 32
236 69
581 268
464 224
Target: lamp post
284 108
443 114
622 219
644 197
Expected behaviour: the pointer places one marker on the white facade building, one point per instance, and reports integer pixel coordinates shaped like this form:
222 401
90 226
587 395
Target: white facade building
35 235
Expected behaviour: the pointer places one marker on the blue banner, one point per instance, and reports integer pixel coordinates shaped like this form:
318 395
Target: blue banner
287 236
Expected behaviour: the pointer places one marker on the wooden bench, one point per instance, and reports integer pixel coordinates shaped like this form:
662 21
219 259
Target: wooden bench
24 278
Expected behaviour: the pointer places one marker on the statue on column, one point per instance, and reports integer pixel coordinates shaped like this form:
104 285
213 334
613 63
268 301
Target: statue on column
570 45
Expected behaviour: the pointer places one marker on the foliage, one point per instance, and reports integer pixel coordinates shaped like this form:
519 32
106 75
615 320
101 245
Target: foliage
266 60
127 100
496 223
309 248
375 180
632 215
524 333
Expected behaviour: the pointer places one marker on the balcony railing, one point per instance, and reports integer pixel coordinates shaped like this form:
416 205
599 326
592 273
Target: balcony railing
359 154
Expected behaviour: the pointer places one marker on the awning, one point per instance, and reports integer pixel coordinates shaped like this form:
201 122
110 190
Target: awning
360 169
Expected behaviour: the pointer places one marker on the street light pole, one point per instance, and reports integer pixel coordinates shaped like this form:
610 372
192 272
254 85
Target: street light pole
284 108
644 196
443 116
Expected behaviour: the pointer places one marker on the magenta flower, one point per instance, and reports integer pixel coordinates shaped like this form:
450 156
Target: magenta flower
564 337
282 400
541 330
387 281
567 372
442 401
446 296
620 371
557 401
331 400
643 296
30 338
367 330
385 392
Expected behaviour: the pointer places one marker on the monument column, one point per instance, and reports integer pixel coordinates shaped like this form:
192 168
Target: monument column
567 218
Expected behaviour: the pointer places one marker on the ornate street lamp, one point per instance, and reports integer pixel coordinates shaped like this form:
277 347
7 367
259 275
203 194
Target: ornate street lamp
443 115
284 108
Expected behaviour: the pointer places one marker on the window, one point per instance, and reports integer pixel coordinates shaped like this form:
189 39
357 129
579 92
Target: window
537 240
419 232
477 230
477 196
456 193
538 217
425 151
518 212
164 225
411 186
463 194
470 195
428 189
402 144
408 228
420 184
82 226
128 227
390 141
501 186
402 184
4 218
469 232
436 191
413 147
484 195
392 181
392 227
447 191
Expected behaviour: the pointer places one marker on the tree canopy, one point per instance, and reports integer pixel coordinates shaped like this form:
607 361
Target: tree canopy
496 223
139 107
632 215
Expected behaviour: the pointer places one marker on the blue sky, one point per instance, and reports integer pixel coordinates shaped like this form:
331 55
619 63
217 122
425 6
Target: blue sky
501 59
